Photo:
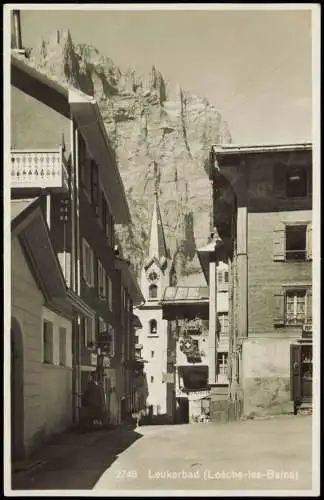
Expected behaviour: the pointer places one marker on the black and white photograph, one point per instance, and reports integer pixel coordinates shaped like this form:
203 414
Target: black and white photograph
161 194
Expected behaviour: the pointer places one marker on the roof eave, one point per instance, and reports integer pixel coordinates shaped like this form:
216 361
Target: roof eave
124 216
236 149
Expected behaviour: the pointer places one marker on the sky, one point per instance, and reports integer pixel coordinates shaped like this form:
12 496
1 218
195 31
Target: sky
254 66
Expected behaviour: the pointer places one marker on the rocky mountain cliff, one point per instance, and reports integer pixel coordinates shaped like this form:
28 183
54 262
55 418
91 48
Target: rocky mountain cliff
161 135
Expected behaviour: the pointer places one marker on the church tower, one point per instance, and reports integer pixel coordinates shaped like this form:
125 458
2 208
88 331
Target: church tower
155 277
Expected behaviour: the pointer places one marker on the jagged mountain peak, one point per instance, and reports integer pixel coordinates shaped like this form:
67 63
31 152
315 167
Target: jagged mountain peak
161 135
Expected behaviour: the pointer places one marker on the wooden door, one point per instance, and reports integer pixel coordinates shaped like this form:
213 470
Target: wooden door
295 373
306 372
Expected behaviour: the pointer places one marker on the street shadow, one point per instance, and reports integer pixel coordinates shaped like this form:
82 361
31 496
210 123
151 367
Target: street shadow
75 460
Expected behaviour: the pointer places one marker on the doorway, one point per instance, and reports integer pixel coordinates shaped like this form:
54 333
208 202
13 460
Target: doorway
17 392
183 410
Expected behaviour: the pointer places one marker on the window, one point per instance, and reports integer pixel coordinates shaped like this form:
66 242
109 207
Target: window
62 346
153 292
296 182
152 354
153 327
223 320
85 166
222 360
102 291
82 158
110 293
87 263
109 225
94 183
296 242
292 306
111 340
152 379
104 212
295 307
292 241
106 337
47 342
88 331
136 339
222 280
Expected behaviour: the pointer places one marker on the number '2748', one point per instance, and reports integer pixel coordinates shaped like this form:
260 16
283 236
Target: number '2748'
126 474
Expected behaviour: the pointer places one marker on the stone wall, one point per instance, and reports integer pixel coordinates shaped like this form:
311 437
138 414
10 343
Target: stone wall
266 376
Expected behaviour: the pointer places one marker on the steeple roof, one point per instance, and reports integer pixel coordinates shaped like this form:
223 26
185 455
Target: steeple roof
157 246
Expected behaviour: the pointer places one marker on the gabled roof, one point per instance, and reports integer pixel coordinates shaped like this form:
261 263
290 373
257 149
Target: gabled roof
29 225
67 100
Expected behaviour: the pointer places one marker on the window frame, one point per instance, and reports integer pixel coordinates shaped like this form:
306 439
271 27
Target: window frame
108 329
289 228
62 348
151 322
109 292
102 281
221 317
222 368
48 357
87 263
294 292
280 238
153 286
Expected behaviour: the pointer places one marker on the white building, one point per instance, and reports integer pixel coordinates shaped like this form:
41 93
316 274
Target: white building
41 333
153 337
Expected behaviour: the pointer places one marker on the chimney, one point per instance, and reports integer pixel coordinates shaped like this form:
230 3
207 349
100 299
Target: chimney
17 30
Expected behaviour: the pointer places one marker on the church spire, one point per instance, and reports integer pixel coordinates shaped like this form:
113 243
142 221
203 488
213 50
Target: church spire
157 246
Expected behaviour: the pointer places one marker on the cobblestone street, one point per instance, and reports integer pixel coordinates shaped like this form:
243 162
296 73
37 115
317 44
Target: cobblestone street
272 454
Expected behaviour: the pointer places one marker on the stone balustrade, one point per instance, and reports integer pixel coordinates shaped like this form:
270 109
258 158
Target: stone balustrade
38 169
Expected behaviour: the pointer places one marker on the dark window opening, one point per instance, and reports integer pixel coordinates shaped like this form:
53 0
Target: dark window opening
153 292
94 183
296 182
153 327
296 243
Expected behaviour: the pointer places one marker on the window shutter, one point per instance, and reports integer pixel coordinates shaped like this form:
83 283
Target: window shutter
279 312
279 243
309 304
309 242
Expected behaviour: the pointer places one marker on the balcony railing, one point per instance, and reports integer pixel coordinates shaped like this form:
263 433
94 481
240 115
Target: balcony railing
46 168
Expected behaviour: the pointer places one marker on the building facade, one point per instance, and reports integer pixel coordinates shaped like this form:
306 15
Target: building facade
262 199
61 154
